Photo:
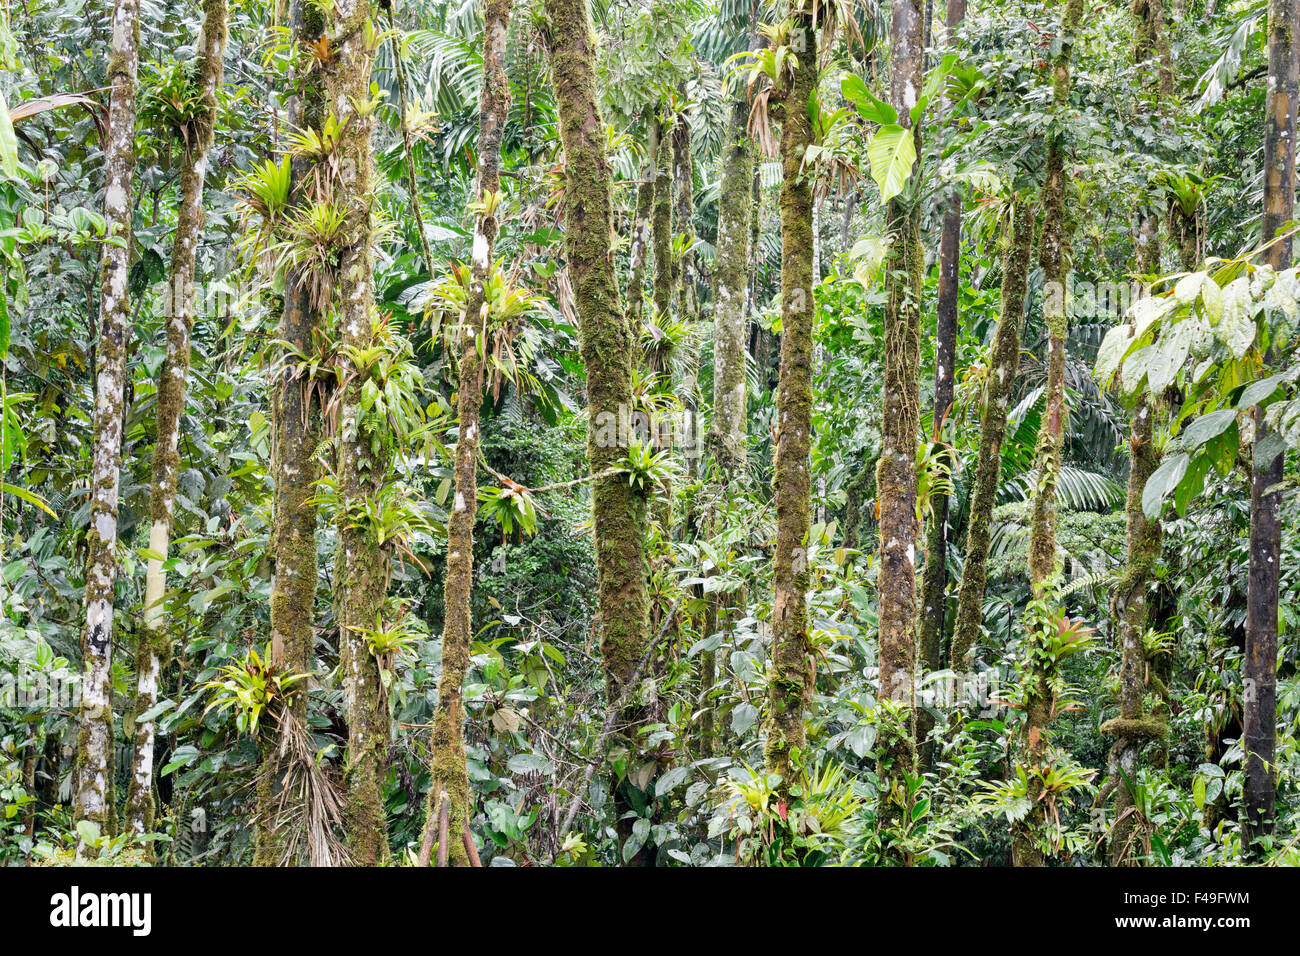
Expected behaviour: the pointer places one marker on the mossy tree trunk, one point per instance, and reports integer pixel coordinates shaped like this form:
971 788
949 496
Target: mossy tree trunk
896 479
686 300
1260 665
1053 258
447 760
661 223
661 344
934 579
730 292
608 345
792 672
1135 727
1004 361
639 251
93 800
1037 667
296 425
728 437
155 645
363 457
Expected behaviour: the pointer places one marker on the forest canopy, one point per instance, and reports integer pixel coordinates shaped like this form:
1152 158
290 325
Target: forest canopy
649 433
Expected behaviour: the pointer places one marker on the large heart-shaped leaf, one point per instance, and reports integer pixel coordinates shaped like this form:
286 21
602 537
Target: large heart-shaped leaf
892 153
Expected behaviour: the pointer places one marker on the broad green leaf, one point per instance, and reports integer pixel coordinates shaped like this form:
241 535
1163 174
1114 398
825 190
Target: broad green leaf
27 496
1135 369
1237 332
1162 483
1110 352
1257 392
1208 426
8 142
872 108
892 153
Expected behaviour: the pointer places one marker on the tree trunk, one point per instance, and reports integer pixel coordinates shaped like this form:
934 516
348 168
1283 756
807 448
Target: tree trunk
362 458
1052 256
640 249
154 648
687 302
608 345
728 437
896 470
791 682
95 741
934 579
296 425
1135 727
1004 360
730 285
447 767
1260 664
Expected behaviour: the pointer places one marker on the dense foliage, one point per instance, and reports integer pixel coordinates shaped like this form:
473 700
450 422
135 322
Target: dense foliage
717 521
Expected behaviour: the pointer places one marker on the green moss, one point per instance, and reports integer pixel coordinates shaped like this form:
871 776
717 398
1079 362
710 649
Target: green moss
1016 246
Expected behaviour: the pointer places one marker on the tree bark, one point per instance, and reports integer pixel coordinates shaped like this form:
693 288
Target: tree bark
1260 664
95 741
154 648
608 343
934 579
1135 727
447 766
1004 361
640 249
730 285
792 673
362 460
296 425
1052 256
896 471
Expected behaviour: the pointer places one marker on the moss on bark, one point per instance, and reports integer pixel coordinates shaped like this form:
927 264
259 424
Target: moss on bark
1004 360
792 672
295 424
447 767
608 343
362 461
93 798
155 647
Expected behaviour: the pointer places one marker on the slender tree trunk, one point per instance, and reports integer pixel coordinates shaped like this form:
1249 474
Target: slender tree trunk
687 302
447 762
640 249
608 345
792 674
1134 726
296 424
896 471
1038 702
1052 257
730 285
1260 665
728 437
934 579
1004 360
661 224
155 645
95 742
362 460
